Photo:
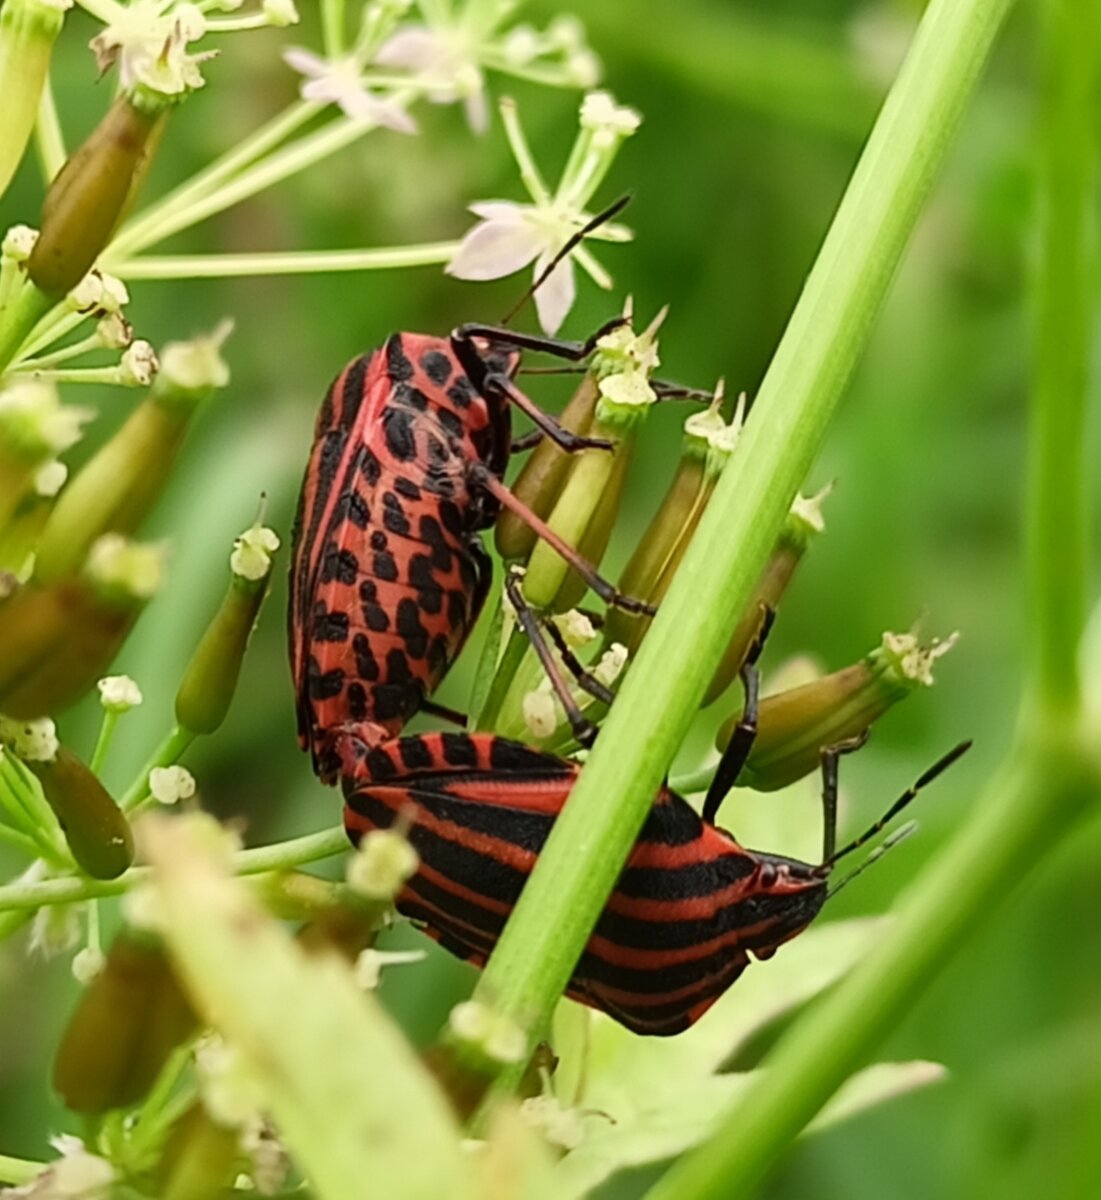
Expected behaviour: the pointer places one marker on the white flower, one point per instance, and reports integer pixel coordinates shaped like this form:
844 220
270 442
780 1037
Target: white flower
33 741
136 569
370 963
251 557
138 366
50 478
445 62
87 964
340 82
150 46
18 243
34 424
539 712
119 693
497 1036
382 864
510 236
169 785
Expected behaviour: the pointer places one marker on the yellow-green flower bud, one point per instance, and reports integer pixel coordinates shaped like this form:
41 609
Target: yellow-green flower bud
122 482
98 834
382 864
803 524
86 200
795 726
707 444
132 1015
542 475
65 635
28 30
199 1158
211 677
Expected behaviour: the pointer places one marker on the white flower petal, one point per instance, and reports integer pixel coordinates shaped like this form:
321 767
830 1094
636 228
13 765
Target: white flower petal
477 111
361 105
414 47
305 62
499 210
555 295
495 248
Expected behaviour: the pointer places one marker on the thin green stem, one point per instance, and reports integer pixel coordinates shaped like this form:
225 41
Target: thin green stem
18 1171
332 27
174 744
141 231
106 732
298 262
829 328
49 140
281 856
1057 514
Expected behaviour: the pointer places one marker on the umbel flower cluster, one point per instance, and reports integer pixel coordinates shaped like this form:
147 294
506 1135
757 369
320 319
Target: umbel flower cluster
180 1070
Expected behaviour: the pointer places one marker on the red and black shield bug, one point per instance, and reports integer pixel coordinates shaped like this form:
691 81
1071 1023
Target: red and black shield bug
388 573
686 914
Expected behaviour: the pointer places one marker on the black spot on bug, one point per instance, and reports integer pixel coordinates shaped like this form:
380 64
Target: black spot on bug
456 609
461 392
433 537
438 483
393 515
409 626
376 618
414 753
397 425
398 365
366 663
330 627
341 565
451 517
397 667
353 507
439 453
411 397
369 465
324 686
389 701
379 540
329 459
437 366
386 568
407 488
357 701
430 600
368 591
352 394
459 750
468 572
450 424
505 755
421 572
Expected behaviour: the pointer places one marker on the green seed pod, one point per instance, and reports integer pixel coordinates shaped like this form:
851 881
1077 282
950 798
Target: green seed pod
128 1021
199 1159
119 486
542 476
28 30
59 639
211 677
86 199
804 523
98 834
795 726
708 443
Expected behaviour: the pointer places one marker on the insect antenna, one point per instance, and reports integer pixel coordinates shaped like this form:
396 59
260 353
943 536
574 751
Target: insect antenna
907 796
574 240
899 835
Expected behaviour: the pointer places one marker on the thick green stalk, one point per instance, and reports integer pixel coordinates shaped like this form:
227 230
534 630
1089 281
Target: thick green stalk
827 332
1054 773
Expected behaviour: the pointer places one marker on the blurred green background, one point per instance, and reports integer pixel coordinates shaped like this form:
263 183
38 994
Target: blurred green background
754 115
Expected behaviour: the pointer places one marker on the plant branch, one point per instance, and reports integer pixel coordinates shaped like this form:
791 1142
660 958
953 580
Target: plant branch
295 262
827 332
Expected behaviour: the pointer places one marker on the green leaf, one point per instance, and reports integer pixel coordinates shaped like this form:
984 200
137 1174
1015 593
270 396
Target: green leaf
349 1096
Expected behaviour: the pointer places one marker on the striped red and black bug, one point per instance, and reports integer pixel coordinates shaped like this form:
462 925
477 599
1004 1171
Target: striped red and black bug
686 914
388 573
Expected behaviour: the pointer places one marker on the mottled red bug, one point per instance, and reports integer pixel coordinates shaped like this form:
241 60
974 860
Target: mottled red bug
689 909
388 573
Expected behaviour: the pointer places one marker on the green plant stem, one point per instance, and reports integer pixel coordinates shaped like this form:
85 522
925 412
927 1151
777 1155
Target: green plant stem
829 328
1053 774
298 262
49 140
18 317
281 856
18 1171
164 756
103 741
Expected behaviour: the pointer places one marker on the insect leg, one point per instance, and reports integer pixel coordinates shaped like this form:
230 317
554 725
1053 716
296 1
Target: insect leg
505 389
583 729
830 757
585 679
499 335
608 592
444 713
745 732
527 441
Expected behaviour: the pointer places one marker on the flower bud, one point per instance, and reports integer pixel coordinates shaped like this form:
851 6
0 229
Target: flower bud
127 1022
803 524
28 29
542 475
795 726
199 1158
98 834
382 864
64 636
211 677
120 485
85 201
708 443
